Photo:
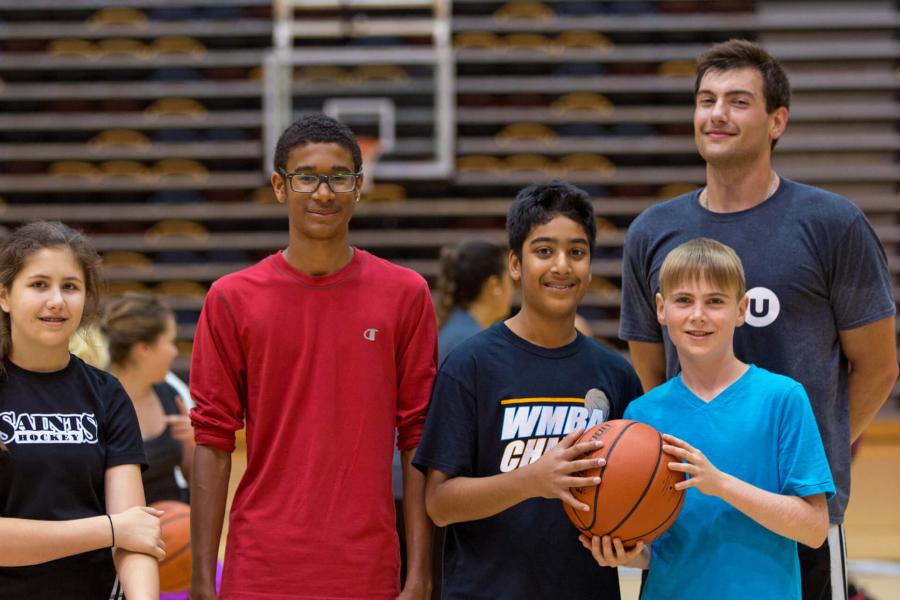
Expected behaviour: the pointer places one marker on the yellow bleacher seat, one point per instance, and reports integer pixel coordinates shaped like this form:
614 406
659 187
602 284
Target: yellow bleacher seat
322 73
181 288
603 286
529 162
671 190
528 41
126 258
72 47
583 39
178 44
524 10
586 162
677 68
119 137
581 101
74 168
181 167
125 168
123 47
264 195
117 16
392 73
531 132
385 192
185 347
177 228
176 106
122 286
478 39
479 162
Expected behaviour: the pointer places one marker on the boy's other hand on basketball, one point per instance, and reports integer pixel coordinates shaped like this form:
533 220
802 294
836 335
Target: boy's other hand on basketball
137 529
702 474
611 552
559 470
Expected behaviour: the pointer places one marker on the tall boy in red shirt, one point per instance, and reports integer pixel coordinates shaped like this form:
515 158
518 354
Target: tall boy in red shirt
322 351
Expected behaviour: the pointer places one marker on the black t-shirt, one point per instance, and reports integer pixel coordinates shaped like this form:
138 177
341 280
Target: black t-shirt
63 430
164 453
500 402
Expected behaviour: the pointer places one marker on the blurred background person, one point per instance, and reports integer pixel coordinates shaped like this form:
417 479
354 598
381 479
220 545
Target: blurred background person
140 334
474 291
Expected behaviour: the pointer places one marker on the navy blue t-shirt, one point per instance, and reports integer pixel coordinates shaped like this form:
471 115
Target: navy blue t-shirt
814 267
500 402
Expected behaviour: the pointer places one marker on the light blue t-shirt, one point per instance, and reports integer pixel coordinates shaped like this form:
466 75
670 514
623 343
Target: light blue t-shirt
814 268
761 430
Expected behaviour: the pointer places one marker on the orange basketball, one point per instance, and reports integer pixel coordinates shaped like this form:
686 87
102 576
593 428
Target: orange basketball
636 499
175 568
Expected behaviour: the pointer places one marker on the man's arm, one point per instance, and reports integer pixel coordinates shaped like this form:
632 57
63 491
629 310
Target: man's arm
871 351
455 499
209 491
139 573
418 529
649 360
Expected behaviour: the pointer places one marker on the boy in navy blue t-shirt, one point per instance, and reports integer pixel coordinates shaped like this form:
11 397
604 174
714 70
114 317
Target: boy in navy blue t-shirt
508 406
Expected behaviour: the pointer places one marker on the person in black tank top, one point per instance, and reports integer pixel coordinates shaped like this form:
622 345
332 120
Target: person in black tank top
141 336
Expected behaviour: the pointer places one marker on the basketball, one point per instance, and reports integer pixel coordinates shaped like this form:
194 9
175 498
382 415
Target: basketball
636 499
175 568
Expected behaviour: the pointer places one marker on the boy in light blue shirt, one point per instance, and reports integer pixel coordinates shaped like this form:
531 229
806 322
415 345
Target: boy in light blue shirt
757 476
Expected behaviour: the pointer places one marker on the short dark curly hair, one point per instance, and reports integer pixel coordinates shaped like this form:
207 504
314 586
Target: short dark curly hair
537 205
316 129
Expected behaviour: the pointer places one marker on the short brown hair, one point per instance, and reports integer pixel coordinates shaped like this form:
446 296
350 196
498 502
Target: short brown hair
703 258
132 319
740 54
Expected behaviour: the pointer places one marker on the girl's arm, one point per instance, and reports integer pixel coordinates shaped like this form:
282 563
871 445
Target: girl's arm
139 573
802 519
31 542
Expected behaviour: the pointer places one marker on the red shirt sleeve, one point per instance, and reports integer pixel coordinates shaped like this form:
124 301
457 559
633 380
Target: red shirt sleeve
218 375
416 368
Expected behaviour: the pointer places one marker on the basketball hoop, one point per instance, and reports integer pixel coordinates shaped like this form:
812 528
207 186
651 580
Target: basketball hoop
371 152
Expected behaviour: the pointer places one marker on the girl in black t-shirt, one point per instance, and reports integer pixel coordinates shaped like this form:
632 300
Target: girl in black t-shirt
140 333
70 447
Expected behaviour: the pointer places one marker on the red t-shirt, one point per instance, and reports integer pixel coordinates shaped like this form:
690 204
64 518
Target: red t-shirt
322 371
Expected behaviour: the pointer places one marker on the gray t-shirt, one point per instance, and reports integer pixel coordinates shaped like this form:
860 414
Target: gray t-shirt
813 266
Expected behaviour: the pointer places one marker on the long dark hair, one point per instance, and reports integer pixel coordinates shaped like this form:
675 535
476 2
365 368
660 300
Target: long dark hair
464 269
18 246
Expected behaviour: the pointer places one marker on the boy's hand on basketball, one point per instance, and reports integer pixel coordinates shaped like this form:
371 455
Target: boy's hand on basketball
559 470
137 529
702 474
611 552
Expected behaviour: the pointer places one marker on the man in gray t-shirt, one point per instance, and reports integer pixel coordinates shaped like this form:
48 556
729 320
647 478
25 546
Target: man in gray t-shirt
821 298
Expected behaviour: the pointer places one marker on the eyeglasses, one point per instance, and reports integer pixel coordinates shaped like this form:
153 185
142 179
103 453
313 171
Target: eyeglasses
307 183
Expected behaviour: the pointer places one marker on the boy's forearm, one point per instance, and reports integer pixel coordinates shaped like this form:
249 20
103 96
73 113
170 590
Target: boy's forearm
209 491
804 520
461 499
418 527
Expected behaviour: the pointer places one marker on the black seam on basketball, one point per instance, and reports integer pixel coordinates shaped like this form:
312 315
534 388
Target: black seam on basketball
663 522
603 468
644 493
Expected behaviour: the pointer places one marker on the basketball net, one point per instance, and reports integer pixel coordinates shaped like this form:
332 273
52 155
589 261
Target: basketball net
370 148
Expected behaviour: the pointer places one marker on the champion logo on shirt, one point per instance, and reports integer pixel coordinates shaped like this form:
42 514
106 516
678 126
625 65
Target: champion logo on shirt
533 426
48 428
370 333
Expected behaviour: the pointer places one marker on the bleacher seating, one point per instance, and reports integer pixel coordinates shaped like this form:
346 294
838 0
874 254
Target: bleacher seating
142 121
